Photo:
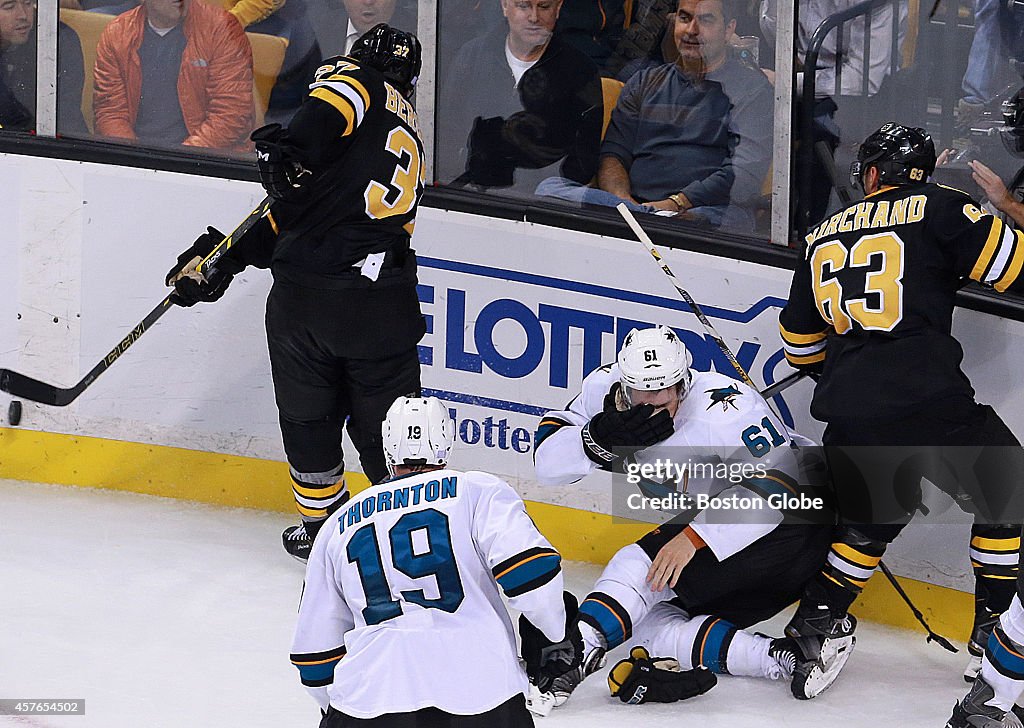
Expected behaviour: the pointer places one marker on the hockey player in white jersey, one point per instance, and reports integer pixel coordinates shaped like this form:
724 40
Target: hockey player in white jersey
401 622
688 591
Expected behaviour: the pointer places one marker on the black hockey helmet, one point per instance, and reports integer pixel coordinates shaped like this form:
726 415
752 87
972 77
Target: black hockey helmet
903 155
393 52
1012 131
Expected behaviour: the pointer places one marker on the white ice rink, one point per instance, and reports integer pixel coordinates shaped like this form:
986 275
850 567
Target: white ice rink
161 614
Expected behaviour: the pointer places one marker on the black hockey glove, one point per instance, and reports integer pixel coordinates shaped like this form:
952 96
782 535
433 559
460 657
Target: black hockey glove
490 161
633 428
645 679
546 660
281 174
189 286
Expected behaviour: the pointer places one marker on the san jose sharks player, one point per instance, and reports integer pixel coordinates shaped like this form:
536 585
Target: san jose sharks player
401 622
687 591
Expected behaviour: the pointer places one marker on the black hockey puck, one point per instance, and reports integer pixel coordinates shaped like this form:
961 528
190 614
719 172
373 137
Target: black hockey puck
14 413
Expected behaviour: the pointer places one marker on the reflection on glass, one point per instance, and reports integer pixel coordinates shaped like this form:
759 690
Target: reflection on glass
173 72
338 23
17 65
519 105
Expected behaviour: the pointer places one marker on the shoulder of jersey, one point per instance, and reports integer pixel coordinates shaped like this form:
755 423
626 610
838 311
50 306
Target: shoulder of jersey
939 190
480 478
717 396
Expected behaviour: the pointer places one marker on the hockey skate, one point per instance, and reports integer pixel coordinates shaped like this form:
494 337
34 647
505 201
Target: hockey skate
976 647
297 542
783 654
541 703
824 644
972 711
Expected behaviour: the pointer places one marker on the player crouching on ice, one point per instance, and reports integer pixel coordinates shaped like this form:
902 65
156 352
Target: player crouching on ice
723 573
401 622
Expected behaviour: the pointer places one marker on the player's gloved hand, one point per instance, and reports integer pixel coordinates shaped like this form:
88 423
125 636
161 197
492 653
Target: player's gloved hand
281 174
190 287
546 660
645 679
636 427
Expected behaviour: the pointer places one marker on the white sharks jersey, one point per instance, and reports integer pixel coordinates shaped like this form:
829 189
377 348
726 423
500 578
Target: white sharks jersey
721 420
401 608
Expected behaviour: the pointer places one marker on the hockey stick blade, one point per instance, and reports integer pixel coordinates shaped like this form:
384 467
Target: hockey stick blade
25 387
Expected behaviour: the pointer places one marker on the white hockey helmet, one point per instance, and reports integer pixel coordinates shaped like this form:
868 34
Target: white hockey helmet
653 359
417 431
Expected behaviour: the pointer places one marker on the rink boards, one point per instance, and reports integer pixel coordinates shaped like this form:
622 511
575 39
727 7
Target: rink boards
517 314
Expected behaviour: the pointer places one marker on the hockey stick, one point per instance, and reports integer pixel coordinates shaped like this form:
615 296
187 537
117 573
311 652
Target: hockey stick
783 384
932 636
26 387
649 244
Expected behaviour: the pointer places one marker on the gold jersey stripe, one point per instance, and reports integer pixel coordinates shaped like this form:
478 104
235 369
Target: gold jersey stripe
988 252
1013 270
802 339
354 84
343 105
809 359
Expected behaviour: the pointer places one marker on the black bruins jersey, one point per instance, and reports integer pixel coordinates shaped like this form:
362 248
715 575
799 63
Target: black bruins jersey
873 300
360 139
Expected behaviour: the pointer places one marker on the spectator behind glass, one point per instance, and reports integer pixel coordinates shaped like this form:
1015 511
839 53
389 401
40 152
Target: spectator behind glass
998 36
18 71
520 105
595 28
175 72
690 138
339 23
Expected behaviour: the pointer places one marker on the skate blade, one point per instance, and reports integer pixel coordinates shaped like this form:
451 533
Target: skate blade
834 654
538 703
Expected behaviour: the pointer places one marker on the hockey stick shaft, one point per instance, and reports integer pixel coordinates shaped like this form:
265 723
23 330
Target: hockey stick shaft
782 385
649 244
932 636
25 387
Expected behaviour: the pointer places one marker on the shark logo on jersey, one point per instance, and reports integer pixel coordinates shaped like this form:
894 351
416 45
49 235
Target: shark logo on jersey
724 396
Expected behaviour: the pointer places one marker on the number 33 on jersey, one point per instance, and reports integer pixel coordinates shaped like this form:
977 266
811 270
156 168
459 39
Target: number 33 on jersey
879 280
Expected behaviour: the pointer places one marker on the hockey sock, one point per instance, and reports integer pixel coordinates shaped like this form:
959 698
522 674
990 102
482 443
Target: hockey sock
851 562
706 641
621 597
317 495
1003 664
995 560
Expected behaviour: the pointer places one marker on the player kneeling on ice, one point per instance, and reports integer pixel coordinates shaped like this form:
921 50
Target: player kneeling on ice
401 621
689 591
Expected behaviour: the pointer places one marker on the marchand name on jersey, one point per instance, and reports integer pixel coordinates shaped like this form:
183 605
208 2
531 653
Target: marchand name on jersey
869 215
387 500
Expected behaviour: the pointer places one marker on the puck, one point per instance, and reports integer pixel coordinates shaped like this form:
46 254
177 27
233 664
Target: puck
14 413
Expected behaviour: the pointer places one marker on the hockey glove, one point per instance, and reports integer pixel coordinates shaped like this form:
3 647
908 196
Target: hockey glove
546 660
281 174
645 679
633 428
190 287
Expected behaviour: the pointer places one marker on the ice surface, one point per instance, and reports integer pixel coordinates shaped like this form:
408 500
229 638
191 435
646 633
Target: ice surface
162 613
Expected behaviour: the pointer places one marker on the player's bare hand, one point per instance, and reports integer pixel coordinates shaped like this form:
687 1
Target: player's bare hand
989 181
668 565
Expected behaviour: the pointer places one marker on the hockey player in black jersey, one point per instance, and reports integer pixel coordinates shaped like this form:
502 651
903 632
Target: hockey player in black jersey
343 318
871 310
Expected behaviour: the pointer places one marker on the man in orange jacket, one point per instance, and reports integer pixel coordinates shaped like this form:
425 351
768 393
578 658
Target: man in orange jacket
175 72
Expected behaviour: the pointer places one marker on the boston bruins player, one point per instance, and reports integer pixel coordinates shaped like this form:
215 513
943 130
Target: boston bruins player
342 317
401 621
871 308
687 591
